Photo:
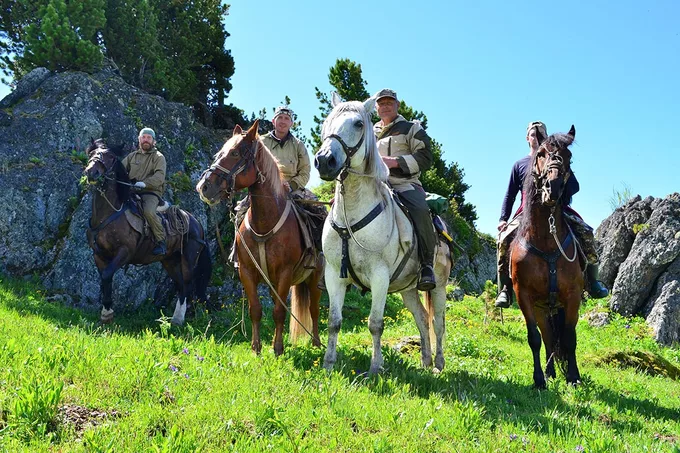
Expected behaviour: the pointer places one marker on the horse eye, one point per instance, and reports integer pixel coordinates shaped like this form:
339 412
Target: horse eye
235 153
359 124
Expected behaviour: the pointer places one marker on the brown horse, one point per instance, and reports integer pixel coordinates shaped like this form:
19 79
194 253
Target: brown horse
270 234
547 275
116 243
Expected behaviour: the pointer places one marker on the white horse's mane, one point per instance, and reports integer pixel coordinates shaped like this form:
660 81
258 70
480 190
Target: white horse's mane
374 164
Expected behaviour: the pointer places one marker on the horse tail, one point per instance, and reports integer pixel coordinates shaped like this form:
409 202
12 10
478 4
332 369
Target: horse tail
300 303
429 306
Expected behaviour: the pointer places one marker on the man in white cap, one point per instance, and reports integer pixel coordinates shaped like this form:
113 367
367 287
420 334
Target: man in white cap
405 149
146 169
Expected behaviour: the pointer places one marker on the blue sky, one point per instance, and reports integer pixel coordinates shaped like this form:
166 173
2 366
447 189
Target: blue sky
481 71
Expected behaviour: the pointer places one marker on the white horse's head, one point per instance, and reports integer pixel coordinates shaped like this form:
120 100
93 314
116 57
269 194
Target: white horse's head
348 142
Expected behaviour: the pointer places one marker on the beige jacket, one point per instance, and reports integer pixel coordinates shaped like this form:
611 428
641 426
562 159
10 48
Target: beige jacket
148 167
293 158
410 143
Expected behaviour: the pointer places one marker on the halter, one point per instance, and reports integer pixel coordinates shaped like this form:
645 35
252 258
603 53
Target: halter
349 152
229 176
97 157
554 162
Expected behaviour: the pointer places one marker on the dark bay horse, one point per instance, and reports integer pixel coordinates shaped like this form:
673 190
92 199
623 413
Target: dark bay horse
270 234
547 275
116 242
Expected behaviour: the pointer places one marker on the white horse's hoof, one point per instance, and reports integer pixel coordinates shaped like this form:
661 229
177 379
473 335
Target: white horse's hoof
106 316
179 314
436 370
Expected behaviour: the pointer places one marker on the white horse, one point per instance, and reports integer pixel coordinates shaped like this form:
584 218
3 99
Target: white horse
367 238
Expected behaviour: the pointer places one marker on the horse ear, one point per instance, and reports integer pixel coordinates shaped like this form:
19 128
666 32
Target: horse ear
369 105
335 99
572 132
237 130
540 138
251 135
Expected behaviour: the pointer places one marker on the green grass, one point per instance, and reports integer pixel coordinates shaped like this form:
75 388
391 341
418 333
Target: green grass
143 385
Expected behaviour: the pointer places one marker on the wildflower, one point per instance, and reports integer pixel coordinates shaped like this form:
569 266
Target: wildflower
186 375
627 326
513 436
579 448
200 358
185 351
173 368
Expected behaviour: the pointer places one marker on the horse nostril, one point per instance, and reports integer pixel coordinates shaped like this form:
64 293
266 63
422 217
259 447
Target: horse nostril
332 162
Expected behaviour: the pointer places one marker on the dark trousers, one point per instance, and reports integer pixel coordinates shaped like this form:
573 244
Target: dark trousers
414 200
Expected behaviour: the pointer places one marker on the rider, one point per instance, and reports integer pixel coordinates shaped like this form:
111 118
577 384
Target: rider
146 168
295 168
405 149
583 232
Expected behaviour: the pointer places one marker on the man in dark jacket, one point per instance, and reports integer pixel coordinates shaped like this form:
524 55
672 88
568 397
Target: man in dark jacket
583 232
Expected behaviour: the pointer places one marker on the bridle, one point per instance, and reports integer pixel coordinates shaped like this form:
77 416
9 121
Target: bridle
349 151
553 162
107 175
229 175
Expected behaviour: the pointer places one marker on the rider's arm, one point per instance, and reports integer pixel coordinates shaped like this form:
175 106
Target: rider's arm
301 179
156 179
420 158
511 193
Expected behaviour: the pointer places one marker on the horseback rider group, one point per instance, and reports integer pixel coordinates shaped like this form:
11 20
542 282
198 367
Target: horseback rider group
406 151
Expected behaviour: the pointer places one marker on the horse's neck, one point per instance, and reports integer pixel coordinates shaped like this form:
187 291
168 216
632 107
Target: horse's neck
265 207
101 208
539 231
357 198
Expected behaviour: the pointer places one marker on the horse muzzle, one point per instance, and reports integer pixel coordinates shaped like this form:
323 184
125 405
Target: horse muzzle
326 163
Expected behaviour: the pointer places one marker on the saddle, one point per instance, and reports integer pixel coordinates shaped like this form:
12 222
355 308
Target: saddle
175 221
311 219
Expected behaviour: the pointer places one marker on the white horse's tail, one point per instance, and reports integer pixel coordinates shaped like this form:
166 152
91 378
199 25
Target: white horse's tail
300 303
429 306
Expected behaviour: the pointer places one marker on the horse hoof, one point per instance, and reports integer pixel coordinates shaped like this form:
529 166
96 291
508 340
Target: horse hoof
436 370
106 316
176 322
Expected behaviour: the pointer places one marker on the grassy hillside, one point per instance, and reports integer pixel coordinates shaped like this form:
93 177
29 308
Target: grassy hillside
69 384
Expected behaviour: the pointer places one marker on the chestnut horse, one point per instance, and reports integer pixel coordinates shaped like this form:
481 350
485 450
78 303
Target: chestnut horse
116 243
547 275
270 235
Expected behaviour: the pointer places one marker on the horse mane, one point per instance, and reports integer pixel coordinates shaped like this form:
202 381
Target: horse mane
374 164
529 189
269 167
264 159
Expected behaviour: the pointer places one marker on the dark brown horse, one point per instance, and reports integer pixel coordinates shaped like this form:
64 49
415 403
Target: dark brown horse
270 234
116 242
546 271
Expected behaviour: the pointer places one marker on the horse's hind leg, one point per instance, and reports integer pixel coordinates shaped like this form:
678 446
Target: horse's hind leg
436 307
282 290
412 302
336 296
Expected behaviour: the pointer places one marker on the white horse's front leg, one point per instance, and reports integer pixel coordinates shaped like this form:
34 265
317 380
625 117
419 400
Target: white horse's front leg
180 312
336 296
412 302
438 306
376 321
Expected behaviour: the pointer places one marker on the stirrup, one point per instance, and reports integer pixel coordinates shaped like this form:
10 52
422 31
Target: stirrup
426 280
503 299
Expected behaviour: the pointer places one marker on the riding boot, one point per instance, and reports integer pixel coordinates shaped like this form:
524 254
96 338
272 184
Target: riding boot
426 280
322 281
595 288
504 299
159 249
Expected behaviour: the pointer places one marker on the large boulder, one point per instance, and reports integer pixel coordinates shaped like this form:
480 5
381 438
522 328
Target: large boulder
640 260
47 122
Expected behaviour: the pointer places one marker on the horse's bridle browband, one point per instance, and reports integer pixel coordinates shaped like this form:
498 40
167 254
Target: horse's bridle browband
229 176
555 161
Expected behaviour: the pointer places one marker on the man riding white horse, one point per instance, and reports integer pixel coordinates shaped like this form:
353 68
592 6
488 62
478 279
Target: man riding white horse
405 149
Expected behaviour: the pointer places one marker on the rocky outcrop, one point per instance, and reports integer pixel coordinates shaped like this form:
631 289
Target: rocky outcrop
45 125
639 254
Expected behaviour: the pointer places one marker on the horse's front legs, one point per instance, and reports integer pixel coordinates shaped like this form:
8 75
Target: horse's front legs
254 307
282 290
107 270
336 297
569 340
376 321
534 337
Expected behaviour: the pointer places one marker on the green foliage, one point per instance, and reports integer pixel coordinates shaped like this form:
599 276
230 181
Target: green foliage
36 161
35 407
180 182
64 37
79 157
620 196
325 191
175 49
640 227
